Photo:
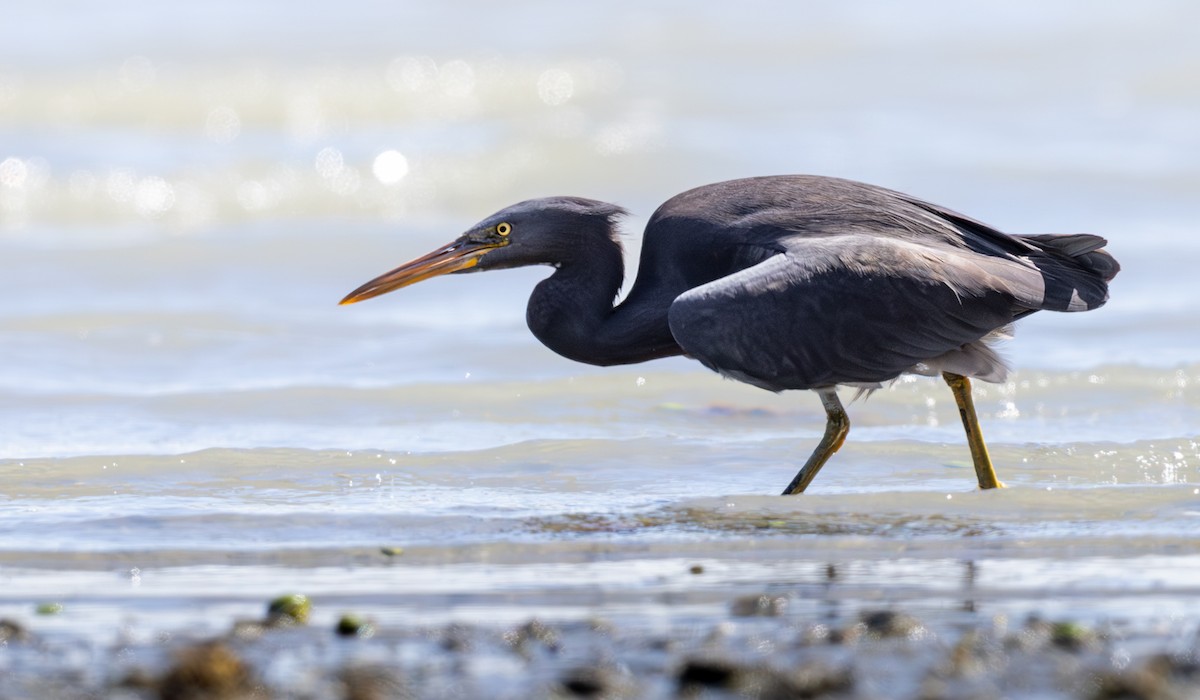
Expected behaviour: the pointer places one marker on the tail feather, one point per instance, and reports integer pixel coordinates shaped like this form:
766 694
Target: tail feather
1075 270
1085 248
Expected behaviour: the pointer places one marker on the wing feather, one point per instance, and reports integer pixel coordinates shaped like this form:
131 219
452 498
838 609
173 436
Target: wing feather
850 309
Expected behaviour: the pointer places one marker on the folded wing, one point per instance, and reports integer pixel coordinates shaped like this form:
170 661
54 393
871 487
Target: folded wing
857 309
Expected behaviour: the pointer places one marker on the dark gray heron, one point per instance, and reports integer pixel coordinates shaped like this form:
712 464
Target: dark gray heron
784 282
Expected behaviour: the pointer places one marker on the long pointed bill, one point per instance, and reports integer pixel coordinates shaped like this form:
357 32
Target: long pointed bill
459 255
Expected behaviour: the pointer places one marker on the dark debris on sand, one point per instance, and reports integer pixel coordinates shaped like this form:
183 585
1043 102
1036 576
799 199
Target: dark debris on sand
759 649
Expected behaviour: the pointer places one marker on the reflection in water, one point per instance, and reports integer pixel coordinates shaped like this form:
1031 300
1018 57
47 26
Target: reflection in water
832 612
968 604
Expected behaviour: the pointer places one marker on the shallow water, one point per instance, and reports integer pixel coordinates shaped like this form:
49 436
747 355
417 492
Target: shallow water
191 425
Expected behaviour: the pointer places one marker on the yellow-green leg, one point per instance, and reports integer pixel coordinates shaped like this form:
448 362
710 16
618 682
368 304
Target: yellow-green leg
986 473
837 426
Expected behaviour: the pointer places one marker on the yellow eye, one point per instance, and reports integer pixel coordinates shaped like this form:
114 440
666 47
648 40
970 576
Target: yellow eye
504 229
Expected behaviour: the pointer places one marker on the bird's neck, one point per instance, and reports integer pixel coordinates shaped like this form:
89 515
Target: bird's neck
572 313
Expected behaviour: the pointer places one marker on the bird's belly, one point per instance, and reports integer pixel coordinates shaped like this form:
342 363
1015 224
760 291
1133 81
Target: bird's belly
976 360
780 382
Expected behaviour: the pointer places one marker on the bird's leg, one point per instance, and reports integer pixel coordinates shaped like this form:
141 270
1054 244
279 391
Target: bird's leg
961 387
837 426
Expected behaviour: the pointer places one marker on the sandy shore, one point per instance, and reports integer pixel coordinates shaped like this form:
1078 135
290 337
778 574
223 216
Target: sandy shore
709 643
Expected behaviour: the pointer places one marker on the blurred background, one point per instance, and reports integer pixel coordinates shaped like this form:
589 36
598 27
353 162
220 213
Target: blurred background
188 189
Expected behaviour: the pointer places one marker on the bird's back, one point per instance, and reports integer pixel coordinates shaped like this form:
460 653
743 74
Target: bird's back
729 226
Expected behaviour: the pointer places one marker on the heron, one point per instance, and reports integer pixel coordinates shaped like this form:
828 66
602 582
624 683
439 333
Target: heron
784 282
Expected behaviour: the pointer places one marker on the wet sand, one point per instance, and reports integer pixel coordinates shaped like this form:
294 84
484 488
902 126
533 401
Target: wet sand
940 613
757 651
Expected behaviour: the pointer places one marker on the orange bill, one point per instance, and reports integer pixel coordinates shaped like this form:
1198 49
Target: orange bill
459 255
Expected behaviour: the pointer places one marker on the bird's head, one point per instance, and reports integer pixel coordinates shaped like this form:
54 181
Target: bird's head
543 231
